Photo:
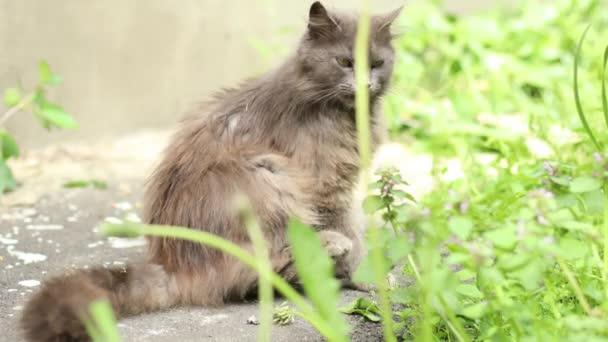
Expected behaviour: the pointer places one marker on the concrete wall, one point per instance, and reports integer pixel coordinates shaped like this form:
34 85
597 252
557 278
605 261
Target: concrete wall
139 64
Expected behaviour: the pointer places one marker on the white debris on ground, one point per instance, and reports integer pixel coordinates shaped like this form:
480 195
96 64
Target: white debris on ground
113 220
44 227
126 243
27 258
7 241
29 283
124 206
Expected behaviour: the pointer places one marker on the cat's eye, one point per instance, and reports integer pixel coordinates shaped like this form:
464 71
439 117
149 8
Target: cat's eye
377 64
345 62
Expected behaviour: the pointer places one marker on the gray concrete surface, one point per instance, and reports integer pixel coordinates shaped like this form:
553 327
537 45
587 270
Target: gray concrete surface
60 229
139 64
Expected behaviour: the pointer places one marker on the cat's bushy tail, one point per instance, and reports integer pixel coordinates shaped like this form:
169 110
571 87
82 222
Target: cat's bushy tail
57 311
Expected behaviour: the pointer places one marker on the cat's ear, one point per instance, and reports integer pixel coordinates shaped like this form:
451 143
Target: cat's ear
385 21
320 22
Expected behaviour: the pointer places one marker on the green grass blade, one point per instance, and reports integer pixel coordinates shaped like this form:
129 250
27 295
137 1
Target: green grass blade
362 89
316 273
102 326
362 69
577 97
604 96
265 291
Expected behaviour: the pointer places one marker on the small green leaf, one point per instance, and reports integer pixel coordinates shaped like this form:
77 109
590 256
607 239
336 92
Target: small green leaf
44 122
572 249
490 277
564 181
465 275
76 184
316 271
40 101
8 146
461 226
101 185
585 184
98 184
399 247
475 311
403 195
12 97
372 204
365 271
529 276
363 307
575 225
469 290
404 295
504 238
46 75
594 202
57 116
7 181
283 314
586 323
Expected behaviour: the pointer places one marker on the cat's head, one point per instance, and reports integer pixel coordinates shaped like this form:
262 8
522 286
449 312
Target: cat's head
327 50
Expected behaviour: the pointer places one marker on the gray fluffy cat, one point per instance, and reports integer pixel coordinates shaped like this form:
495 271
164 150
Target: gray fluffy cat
287 140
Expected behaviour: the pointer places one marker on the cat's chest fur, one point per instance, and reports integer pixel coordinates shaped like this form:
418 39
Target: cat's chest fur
327 147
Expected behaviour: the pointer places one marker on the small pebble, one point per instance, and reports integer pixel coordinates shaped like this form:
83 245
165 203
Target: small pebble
253 321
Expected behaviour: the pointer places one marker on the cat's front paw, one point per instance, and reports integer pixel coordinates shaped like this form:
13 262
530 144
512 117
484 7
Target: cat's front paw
336 244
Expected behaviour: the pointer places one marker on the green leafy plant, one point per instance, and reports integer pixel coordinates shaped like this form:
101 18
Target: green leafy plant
514 246
363 307
48 114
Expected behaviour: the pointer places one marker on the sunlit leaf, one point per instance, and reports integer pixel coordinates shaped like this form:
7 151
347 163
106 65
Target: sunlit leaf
469 290
403 195
461 226
475 311
7 180
8 146
46 75
585 184
57 116
572 249
12 97
101 185
363 307
503 238
372 204
316 273
398 247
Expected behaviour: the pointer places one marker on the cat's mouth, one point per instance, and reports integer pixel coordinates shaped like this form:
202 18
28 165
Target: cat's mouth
352 95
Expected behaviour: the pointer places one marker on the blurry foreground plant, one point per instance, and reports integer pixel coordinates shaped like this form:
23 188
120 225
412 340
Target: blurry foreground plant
35 101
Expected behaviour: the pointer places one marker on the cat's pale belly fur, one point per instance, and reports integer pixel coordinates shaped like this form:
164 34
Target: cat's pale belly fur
287 140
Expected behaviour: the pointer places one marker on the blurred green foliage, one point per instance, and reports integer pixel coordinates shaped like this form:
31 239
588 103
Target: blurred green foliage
513 245
50 115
